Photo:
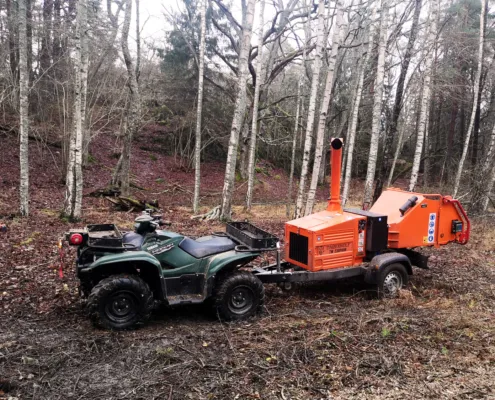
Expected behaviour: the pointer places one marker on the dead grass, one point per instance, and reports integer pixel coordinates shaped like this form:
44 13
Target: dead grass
319 341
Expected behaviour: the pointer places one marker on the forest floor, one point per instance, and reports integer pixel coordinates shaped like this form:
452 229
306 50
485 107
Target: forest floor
319 341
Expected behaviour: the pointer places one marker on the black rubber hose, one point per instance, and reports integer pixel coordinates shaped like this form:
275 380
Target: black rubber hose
408 204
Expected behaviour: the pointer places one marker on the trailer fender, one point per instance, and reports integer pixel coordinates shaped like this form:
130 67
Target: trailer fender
140 262
378 263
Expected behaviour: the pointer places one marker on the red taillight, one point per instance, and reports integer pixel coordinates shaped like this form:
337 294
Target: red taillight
75 239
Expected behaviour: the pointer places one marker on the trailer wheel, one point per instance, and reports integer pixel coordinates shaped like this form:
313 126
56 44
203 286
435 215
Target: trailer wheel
120 302
239 296
391 280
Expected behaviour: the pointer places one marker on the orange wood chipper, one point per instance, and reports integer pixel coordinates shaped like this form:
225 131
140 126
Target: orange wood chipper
376 243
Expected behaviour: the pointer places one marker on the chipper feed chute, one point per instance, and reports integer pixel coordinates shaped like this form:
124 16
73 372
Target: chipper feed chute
337 238
416 219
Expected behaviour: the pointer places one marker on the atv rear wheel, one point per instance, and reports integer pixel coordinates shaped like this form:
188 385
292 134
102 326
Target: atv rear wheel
120 302
239 296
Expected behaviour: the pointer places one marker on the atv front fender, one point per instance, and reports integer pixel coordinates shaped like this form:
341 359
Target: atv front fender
134 262
134 257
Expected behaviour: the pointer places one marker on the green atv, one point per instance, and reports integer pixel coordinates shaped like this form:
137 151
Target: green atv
123 274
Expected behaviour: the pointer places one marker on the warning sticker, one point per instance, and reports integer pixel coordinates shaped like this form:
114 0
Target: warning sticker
431 228
334 248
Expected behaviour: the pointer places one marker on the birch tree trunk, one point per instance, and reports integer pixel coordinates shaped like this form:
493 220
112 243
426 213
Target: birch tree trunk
254 126
294 145
425 99
45 56
138 42
300 83
476 89
427 146
74 179
121 175
244 139
377 107
489 189
396 156
29 38
82 128
197 148
399 93
84 84
240 107
489 160
351 131
327 95
11 22
308 140
24 109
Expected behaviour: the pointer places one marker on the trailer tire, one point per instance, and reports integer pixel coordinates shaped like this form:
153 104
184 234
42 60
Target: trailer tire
120 302
238 296
391 279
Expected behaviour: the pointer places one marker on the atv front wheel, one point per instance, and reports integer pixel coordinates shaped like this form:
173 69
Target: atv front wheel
120 302
239 296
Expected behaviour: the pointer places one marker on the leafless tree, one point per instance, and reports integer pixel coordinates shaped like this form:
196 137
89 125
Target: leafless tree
199 111
308 139
240 108
131 127
23 110
254 126
377 105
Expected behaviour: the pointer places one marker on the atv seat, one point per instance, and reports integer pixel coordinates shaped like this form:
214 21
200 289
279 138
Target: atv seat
134 239
206 246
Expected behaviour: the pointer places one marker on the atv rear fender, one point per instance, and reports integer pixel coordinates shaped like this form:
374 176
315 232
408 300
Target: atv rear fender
224 262
135 262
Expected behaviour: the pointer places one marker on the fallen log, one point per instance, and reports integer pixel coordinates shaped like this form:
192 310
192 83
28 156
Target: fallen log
130 204
213 214
111 191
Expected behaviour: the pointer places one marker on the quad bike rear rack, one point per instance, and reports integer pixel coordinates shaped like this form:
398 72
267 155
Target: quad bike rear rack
252 237
249 237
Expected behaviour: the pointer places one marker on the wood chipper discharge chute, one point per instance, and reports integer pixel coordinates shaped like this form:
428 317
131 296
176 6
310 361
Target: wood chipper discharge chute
337 238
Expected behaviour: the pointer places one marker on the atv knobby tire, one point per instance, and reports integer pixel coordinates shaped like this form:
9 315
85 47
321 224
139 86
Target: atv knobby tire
120 302
239 295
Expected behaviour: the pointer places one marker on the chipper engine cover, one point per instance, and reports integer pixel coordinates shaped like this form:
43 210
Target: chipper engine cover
337 238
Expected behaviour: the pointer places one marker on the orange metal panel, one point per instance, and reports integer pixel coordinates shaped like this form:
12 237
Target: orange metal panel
333 240
448 213
428 223
418 226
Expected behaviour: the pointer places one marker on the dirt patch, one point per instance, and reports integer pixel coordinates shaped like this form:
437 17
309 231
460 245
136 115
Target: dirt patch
319 341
